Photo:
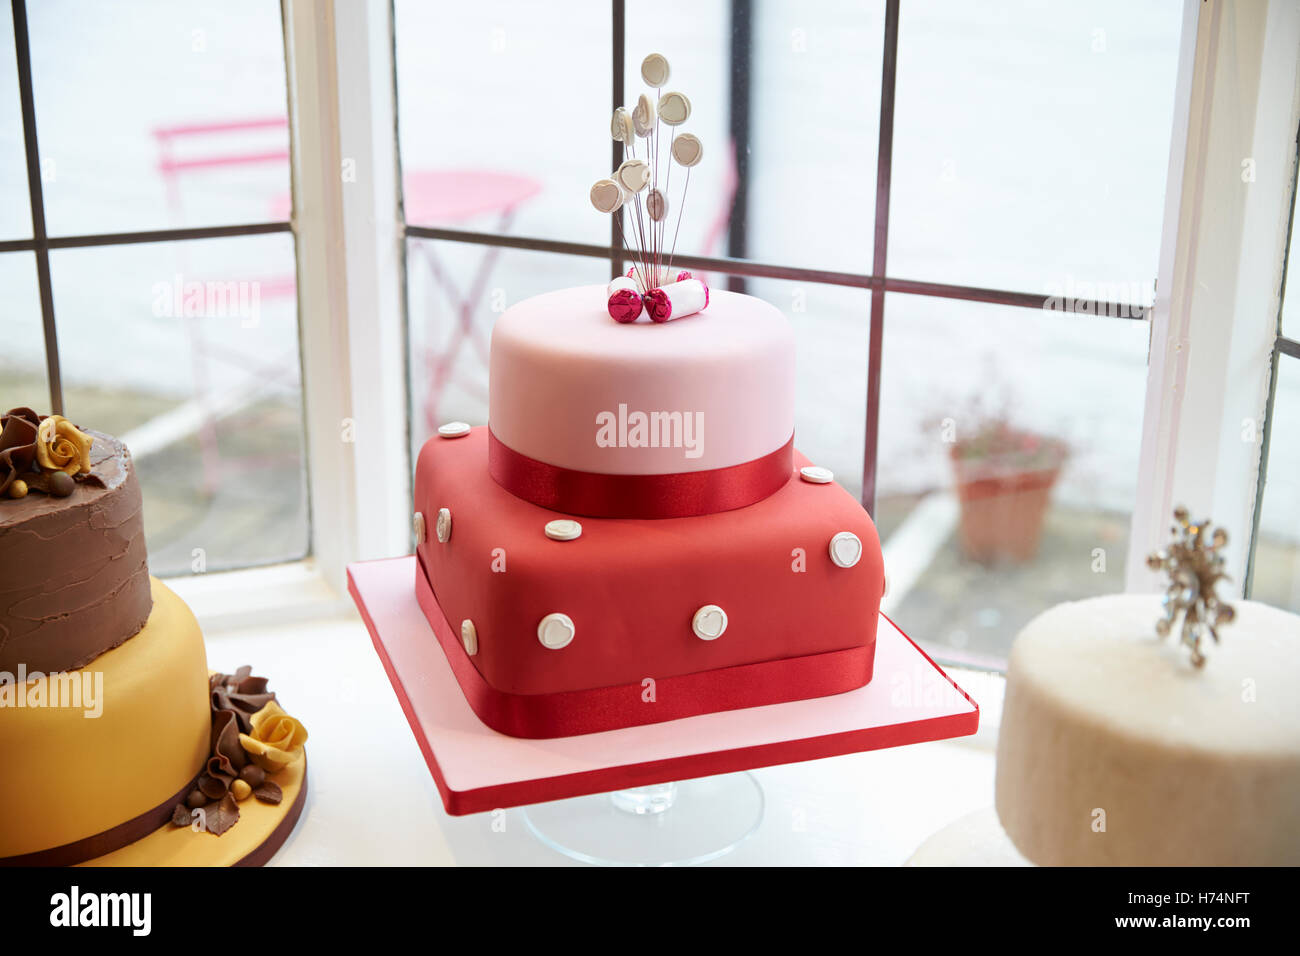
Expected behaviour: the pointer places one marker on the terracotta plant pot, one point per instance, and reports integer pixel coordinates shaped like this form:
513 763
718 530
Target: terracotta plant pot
1004 493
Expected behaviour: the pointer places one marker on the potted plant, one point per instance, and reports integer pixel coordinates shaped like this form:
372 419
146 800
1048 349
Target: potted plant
1004 477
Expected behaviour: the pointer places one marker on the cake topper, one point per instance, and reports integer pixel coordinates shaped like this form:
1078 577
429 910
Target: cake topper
641 184
1195 568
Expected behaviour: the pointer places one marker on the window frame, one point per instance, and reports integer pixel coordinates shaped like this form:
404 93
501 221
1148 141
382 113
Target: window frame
351 242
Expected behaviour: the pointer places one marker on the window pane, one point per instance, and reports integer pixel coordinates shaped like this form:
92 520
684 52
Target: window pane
15 208
831 327
155 114
815 103
1032 143
188 351
976 547
1277 547
22 359
503 112
699 59
456 291
814 122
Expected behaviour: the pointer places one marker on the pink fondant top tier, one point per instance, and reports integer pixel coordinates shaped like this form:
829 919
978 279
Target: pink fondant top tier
573 388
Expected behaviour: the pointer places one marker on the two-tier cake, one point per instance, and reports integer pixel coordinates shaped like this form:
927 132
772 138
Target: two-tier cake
633 538
119 747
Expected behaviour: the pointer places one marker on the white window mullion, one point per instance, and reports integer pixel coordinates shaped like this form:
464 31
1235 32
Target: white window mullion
349 234
1215 312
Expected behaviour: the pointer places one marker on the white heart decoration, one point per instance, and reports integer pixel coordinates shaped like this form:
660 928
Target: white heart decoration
555 631
656 205
846 549
607 196
443 525
674 108
643 116
633 175
687 149
654 70
709 622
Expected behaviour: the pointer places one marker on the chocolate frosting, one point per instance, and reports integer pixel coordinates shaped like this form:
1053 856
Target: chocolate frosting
74 575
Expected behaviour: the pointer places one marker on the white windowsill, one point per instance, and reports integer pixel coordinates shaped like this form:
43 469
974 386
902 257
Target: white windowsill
257 598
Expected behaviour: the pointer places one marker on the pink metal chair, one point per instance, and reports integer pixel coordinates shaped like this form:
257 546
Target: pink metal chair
174 170
430 197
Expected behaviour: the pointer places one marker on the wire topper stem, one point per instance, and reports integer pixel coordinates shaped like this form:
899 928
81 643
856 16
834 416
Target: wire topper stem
651 255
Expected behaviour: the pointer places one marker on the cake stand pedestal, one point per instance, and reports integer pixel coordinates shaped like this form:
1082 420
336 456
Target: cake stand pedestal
909 700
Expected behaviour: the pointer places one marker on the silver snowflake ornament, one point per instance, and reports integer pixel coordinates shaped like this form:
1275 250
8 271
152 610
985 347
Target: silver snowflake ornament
1195 567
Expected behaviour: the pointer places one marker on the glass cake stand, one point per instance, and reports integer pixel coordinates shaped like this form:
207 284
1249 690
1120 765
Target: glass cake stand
667 824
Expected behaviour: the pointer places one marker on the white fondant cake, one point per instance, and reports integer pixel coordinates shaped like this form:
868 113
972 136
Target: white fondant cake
1116 750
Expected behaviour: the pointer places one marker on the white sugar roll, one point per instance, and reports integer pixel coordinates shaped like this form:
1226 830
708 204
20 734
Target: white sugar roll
620 283
643 117
608 196
677 299
654 70
674 108
633 175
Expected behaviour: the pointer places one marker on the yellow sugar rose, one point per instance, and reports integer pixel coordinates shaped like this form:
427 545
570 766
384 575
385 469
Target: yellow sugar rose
276 740
60 446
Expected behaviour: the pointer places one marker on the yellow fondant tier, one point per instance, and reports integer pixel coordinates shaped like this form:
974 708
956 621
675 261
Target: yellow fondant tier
101 758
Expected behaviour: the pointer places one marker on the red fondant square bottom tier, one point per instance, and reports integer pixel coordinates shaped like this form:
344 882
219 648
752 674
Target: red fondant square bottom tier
798 625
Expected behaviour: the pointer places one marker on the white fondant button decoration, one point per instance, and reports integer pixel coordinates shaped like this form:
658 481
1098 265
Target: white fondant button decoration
417 526
469 636
454 430
674 108
687 149
816 474
709 622
846 549
443 525
555 630
654 70
563 529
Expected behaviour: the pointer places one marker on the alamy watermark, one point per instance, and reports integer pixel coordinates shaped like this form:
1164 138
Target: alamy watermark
209 299
633 429
1116 300
70 690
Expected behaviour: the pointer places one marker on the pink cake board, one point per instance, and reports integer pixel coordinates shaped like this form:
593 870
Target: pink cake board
909 700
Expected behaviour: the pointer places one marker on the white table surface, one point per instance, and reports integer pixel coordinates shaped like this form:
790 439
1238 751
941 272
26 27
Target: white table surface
372 802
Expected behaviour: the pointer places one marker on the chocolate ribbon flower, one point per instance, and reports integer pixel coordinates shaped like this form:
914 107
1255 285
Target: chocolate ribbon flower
18 429
240 702
240 693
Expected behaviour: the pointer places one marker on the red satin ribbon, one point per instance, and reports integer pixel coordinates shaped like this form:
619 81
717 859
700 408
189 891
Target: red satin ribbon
680 495
571 713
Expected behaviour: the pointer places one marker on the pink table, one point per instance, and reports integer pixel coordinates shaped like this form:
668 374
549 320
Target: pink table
909 700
